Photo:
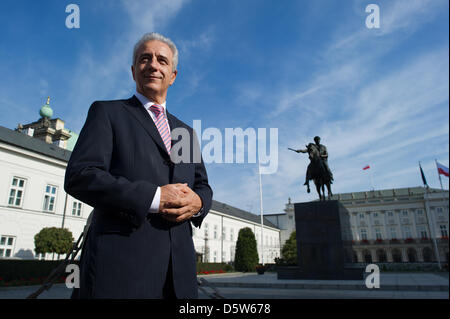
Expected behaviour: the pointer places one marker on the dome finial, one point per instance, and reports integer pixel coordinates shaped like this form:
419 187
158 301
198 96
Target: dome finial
46 110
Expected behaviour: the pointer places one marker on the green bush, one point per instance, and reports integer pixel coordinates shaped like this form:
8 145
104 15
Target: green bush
289 251
53 240
246 256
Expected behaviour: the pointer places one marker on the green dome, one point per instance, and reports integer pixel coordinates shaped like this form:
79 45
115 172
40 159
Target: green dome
46 110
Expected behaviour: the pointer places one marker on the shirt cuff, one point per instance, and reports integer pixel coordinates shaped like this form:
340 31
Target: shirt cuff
154 207
199 213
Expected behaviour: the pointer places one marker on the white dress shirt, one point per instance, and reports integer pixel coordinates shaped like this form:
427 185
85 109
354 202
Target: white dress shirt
154 207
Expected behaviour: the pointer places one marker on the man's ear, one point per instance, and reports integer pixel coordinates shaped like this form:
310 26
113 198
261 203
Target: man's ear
132 72
173 75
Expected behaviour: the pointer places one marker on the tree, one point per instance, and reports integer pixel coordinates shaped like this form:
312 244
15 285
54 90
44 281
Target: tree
289 251
53 240
246 257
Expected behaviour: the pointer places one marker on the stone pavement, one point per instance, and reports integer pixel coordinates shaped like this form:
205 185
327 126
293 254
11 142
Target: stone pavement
388 281
253 286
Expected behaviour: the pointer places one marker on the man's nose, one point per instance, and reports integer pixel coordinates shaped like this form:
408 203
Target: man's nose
153 64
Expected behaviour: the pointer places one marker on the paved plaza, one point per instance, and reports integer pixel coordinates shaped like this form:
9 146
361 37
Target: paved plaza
267 286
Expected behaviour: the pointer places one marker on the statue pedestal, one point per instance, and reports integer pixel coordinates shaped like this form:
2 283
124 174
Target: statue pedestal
322 228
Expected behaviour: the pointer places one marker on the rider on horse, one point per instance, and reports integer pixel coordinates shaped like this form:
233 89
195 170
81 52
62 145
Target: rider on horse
313 150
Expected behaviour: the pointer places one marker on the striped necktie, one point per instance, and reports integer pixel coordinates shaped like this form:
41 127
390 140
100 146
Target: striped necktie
161 125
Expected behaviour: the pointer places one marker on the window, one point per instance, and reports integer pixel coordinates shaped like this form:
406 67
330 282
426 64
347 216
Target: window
16 192
393 232
422 232
378 234
6 246
420 212
76 208
224 233
404 213
215 231
361 216
215 256
444 232
407 232
49 198
363 234
232 234
439 210
390 214
375 215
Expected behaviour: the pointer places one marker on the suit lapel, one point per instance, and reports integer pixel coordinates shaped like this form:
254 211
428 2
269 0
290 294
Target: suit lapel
173 121
134 106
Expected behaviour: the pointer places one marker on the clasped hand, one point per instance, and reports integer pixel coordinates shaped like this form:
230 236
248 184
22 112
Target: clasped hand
178 202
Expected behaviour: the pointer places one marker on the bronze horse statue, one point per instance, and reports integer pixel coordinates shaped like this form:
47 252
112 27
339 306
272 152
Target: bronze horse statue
318 172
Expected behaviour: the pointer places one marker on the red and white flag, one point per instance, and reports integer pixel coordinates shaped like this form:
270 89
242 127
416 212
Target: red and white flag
442 170
367 167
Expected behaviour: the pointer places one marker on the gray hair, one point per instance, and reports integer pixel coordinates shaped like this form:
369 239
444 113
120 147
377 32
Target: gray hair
153 36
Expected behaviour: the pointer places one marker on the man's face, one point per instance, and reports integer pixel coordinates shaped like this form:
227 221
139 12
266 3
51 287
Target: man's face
317 140
152 70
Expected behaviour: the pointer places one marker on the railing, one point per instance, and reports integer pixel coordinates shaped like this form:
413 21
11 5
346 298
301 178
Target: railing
395 241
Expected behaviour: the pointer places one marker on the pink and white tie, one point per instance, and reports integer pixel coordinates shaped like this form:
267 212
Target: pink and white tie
161 125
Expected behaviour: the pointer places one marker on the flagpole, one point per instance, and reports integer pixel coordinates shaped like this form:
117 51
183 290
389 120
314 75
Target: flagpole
261 206
439 175
431 225
370 176
371 181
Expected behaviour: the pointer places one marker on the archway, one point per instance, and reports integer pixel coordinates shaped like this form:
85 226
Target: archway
412 255
381 256
354 257
396 256
428 255
367 256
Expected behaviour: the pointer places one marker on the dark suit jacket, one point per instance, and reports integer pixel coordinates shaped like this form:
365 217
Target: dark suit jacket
116 166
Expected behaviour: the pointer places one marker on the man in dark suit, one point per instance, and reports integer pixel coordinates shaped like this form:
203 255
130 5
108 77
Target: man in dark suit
139 244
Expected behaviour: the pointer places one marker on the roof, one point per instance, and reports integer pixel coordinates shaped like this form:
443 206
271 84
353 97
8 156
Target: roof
33 144
236 212
72 140
383 193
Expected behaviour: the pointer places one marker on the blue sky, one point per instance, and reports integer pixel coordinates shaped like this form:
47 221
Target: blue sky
377 97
